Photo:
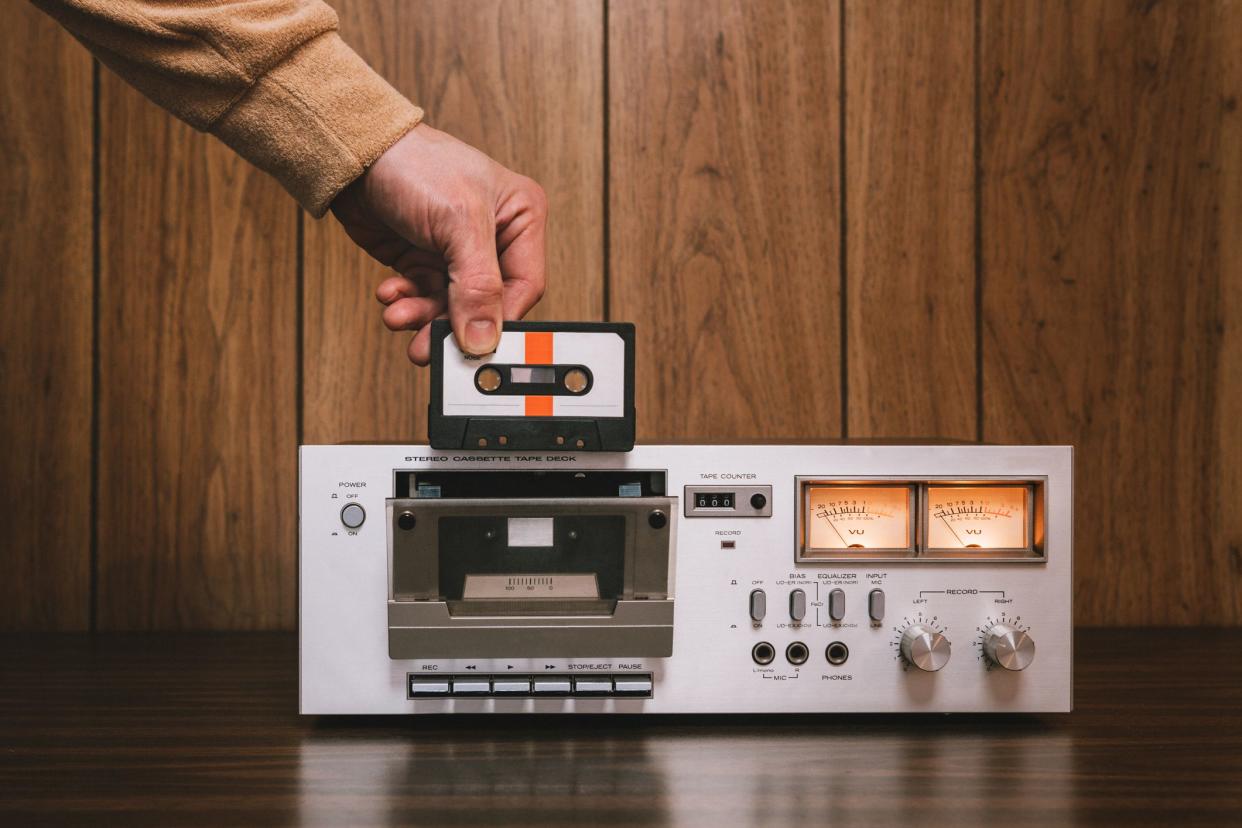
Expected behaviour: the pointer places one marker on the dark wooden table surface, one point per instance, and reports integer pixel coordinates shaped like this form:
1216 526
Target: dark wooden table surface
203 729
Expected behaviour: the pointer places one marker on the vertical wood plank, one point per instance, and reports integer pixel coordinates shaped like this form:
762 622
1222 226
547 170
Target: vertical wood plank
522 81
910 182
1105 162
724 214
197 465
45 336
1226 556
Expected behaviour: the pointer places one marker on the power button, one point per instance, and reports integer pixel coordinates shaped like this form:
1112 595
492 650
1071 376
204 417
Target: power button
353 515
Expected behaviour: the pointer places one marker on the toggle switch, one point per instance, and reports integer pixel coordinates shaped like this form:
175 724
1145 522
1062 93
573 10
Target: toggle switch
797 605
758 604
836 604
875 605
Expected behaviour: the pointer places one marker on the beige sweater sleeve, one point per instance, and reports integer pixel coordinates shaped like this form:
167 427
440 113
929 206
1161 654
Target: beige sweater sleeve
271 78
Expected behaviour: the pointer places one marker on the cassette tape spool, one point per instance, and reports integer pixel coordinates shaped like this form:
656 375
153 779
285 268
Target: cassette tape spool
549 386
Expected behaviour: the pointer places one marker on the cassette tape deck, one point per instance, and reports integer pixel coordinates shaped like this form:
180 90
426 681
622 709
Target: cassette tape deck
686 578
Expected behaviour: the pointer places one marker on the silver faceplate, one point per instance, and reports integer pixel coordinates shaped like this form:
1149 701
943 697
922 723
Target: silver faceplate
343 629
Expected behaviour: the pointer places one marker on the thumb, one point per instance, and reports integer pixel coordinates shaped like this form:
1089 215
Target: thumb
474 290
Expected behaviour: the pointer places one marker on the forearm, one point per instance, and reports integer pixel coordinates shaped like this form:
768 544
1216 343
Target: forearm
272 79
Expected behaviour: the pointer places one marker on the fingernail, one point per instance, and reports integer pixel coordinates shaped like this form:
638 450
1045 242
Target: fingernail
481 337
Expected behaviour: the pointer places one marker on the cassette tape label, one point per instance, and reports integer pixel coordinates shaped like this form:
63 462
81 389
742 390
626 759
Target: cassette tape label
520 354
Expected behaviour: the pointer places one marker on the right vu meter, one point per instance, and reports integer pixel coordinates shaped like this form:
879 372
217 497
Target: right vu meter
994 517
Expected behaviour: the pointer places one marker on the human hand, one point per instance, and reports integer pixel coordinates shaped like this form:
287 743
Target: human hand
465 234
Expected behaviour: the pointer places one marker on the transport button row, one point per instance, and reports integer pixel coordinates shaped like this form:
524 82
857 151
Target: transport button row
616 685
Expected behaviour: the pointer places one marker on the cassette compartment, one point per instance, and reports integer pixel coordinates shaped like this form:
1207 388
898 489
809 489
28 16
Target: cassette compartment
543 564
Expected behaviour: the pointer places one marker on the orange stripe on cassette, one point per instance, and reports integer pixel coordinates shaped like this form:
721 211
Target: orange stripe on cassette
538 352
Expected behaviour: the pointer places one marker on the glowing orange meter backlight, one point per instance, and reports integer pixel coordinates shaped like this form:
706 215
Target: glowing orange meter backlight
978 517
859 517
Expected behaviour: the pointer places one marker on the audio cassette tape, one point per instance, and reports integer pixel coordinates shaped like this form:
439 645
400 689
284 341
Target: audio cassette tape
549 386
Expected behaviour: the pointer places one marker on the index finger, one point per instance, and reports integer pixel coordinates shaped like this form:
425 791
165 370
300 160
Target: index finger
522 247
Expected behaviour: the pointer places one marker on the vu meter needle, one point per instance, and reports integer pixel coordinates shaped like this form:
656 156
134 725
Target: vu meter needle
955 534
834 528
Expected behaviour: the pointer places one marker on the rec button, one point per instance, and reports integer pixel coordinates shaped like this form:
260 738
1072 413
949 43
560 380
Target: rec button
428 687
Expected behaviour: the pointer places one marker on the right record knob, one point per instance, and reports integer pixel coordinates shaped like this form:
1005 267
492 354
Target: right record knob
1009 647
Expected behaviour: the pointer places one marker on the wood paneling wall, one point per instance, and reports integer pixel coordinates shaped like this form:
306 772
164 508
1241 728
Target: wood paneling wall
45 325
1110 137
1013 220
197 398
724 214
910 244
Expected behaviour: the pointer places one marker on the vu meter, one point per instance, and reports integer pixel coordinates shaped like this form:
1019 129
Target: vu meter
978 517
918 520
844 519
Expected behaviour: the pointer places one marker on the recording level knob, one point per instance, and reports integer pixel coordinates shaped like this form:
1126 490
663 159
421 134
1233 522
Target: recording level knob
925 648
1009 647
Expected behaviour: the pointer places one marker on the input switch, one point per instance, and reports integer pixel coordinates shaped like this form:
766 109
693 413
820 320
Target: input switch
875 605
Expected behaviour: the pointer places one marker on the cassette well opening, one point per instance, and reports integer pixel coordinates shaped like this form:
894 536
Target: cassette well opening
530 563
523 483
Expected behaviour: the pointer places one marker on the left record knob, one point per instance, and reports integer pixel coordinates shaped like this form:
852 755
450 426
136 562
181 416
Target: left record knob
925 647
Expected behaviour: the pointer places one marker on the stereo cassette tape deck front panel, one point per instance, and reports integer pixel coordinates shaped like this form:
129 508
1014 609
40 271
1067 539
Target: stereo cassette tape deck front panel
686 579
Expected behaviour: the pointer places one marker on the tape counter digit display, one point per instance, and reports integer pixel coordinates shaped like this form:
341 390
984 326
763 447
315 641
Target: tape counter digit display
715 500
